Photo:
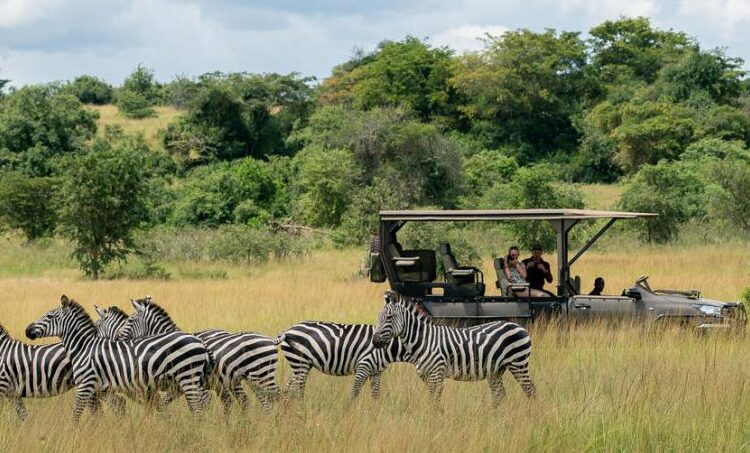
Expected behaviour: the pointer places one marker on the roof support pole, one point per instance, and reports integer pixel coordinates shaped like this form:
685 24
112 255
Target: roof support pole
562 226
591 241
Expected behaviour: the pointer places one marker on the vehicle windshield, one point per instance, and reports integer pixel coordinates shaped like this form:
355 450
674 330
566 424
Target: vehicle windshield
642 283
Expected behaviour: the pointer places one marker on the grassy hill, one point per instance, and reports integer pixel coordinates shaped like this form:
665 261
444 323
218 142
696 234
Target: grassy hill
149 127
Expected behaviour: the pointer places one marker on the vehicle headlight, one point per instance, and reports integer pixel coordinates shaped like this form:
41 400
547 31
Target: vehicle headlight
709 310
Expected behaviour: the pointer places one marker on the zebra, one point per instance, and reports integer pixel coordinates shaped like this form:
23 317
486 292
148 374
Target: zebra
337 350
111 321
31 371
137 367
237 356
462 354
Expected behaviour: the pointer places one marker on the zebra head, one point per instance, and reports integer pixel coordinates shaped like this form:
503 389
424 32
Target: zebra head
390 321
148 319
68 317
111 321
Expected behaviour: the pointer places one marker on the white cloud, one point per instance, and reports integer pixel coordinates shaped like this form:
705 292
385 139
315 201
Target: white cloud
18 12
467 38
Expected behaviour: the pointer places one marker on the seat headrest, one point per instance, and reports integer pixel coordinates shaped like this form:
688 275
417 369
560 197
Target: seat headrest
445 248
499 263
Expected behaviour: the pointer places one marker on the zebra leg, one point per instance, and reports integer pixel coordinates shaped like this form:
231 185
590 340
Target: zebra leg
115 402
83 399
241 396
361 374
434 381
20 408
298 381
521 373
375 386
195 393
95 404
265 397
225 395
497 389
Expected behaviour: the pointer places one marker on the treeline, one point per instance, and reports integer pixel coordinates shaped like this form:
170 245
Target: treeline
405 125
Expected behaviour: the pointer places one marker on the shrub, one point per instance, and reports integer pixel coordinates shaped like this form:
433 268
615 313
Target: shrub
90 90
28 204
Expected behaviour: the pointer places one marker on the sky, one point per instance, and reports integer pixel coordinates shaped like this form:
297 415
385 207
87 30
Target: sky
46 40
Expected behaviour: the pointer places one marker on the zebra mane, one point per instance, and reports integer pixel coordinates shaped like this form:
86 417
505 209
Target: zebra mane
158 311
118 312
3 332
79 310
414 306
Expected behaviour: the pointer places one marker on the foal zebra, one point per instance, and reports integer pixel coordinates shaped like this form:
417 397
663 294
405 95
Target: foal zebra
469 354
237 356
136 368
337 350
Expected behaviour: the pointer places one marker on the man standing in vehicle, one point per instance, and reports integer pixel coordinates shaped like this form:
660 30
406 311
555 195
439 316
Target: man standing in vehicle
537 270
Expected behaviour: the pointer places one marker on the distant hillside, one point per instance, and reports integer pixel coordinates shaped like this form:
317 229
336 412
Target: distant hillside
109 115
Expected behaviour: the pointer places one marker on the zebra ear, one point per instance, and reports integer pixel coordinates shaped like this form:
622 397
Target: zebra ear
100 311
137 305
64 301
148 299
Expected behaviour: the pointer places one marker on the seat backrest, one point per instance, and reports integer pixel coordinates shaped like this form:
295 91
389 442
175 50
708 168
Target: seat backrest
449 261
502 281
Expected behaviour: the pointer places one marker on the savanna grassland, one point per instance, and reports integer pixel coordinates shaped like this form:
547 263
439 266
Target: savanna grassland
599 388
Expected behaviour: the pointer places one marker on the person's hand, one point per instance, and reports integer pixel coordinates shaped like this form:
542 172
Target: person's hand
541 267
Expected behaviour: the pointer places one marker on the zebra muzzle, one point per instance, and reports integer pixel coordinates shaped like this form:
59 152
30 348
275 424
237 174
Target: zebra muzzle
32 333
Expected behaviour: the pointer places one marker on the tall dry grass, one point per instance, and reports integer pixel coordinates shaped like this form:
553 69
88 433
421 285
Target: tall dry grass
599 388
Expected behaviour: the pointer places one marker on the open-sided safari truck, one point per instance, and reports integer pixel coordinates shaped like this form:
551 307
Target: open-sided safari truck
460 295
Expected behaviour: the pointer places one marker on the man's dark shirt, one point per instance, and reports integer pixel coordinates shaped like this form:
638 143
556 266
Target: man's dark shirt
595 292
536 276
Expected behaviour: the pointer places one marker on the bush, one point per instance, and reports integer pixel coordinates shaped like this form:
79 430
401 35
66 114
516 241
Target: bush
235 243
134 105
90 90
246 191
485 168
28 204
672 190
139 92
325 184
729 193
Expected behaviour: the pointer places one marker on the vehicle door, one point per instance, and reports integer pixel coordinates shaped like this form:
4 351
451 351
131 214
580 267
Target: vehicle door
584 307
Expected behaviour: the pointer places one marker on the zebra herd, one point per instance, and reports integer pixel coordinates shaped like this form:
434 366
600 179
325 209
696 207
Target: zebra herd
147 358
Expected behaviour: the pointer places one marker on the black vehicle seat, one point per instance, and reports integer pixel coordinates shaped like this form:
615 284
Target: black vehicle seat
506 287
463 281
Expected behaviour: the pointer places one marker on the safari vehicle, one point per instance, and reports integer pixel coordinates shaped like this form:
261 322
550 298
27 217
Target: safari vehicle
460 295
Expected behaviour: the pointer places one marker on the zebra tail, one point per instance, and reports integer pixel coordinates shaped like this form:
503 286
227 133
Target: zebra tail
208 367
279 339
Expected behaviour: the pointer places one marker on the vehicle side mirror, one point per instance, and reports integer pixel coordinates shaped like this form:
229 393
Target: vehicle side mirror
633 294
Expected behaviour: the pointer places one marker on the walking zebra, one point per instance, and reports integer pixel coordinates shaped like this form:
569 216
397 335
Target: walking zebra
337 350
30 371
468 354
136 367
237 356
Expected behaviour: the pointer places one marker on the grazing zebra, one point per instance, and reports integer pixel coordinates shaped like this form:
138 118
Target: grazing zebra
439 352
136 367
237 356
337 350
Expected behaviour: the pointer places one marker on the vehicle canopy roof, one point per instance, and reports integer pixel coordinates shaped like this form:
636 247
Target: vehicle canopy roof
509 214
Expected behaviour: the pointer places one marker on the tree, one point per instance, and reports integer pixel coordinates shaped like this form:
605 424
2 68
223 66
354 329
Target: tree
138 94
524 88
90 90
325 183
532 187
28 204
728 192
38 126
406 73
104 197
632 45
237 115
671 190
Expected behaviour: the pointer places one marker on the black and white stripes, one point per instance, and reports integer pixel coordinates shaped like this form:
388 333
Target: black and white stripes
464 354
137 368
338 350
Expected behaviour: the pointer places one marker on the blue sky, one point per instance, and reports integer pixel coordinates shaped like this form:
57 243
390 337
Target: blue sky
44 40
